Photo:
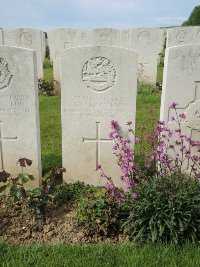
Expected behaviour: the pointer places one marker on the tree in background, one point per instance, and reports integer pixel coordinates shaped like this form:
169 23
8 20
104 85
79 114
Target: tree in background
194 18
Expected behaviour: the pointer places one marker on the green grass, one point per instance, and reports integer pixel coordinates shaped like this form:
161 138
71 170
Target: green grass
159 73
48 70
106 255
50 123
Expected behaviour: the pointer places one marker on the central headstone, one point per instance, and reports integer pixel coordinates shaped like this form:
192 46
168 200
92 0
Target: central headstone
98 84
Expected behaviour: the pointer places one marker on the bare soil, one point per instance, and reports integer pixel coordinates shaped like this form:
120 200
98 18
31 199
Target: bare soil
59 225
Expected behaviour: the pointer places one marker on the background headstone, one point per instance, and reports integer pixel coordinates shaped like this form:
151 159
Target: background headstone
63 38
148 43
1 36
105 36
183 36
98 84
181 85
27 38
19 111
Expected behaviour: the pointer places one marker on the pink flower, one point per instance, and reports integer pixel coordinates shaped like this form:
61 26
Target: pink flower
98 166
134 195
114 125
182 116
137 139
173 105
172 118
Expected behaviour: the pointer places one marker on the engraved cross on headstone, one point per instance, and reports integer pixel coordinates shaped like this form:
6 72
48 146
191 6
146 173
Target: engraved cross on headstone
1 144
191 109
142 66
192 122
98 140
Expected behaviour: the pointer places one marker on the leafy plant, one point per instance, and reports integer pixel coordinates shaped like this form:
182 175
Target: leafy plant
47 87
100 213
145 88
34 200
164 199
71 192
165 210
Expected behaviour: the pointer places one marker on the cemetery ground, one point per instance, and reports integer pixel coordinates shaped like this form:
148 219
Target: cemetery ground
59 225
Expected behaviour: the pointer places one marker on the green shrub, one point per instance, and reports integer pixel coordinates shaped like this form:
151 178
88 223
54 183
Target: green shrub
70 192
101 214
165 210
145 87
47 87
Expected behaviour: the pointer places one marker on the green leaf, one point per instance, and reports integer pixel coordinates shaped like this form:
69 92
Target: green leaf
15 192
4 176
37 192
24 177
31 177
2 188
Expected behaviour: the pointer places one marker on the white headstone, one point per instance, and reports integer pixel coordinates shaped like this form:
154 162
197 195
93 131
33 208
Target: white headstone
44 44
105 36
19 111
63 38
148 43
1 36
181 85
183 36
27 38
98 84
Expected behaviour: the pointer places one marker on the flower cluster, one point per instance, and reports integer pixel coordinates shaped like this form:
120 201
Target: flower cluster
163 152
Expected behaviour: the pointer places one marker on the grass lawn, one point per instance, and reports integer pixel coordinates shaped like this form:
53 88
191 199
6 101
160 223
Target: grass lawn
106 255
159 73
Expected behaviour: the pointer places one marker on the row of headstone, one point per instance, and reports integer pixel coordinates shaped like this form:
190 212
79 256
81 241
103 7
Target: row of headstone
98 84
148 43
27 38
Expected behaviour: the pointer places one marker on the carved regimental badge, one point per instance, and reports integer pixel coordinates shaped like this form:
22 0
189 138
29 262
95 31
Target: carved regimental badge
99 74
5 75
144 38
26 38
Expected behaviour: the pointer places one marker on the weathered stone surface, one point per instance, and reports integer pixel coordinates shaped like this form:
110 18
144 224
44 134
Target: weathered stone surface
1 36
98 84
63 38
183 36
66 37
181 85
148 43
19 110
44 44
105 36
27 38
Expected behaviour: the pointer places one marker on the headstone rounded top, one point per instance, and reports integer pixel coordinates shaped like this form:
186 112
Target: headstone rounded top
99 73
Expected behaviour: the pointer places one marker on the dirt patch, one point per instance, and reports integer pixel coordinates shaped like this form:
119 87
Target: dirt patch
59 225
